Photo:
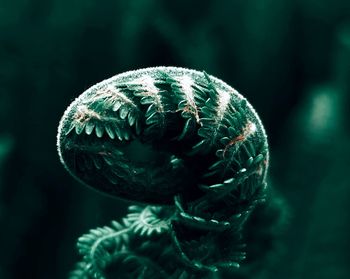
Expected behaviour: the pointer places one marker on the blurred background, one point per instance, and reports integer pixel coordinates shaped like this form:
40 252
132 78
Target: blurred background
290 58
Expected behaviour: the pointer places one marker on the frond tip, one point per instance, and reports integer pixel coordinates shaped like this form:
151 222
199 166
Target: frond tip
150 220
163 112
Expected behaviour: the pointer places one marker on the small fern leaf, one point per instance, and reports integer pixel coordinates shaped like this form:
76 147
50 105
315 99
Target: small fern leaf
187 129
99 245
149 220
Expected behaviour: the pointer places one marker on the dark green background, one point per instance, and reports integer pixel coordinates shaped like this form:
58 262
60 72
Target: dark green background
290 58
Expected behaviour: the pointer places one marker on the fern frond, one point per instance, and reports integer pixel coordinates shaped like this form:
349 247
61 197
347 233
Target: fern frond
174 112
150 220
99 246
154 134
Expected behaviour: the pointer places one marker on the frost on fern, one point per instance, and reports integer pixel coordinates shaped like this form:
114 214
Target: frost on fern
200 174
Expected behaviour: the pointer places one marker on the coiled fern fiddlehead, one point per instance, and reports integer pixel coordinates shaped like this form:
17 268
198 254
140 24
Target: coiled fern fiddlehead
182 142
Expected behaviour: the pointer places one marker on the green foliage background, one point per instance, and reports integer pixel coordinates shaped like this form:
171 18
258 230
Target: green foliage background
291 59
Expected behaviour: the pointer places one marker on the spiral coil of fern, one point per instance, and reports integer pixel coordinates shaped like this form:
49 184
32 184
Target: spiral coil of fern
200 146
